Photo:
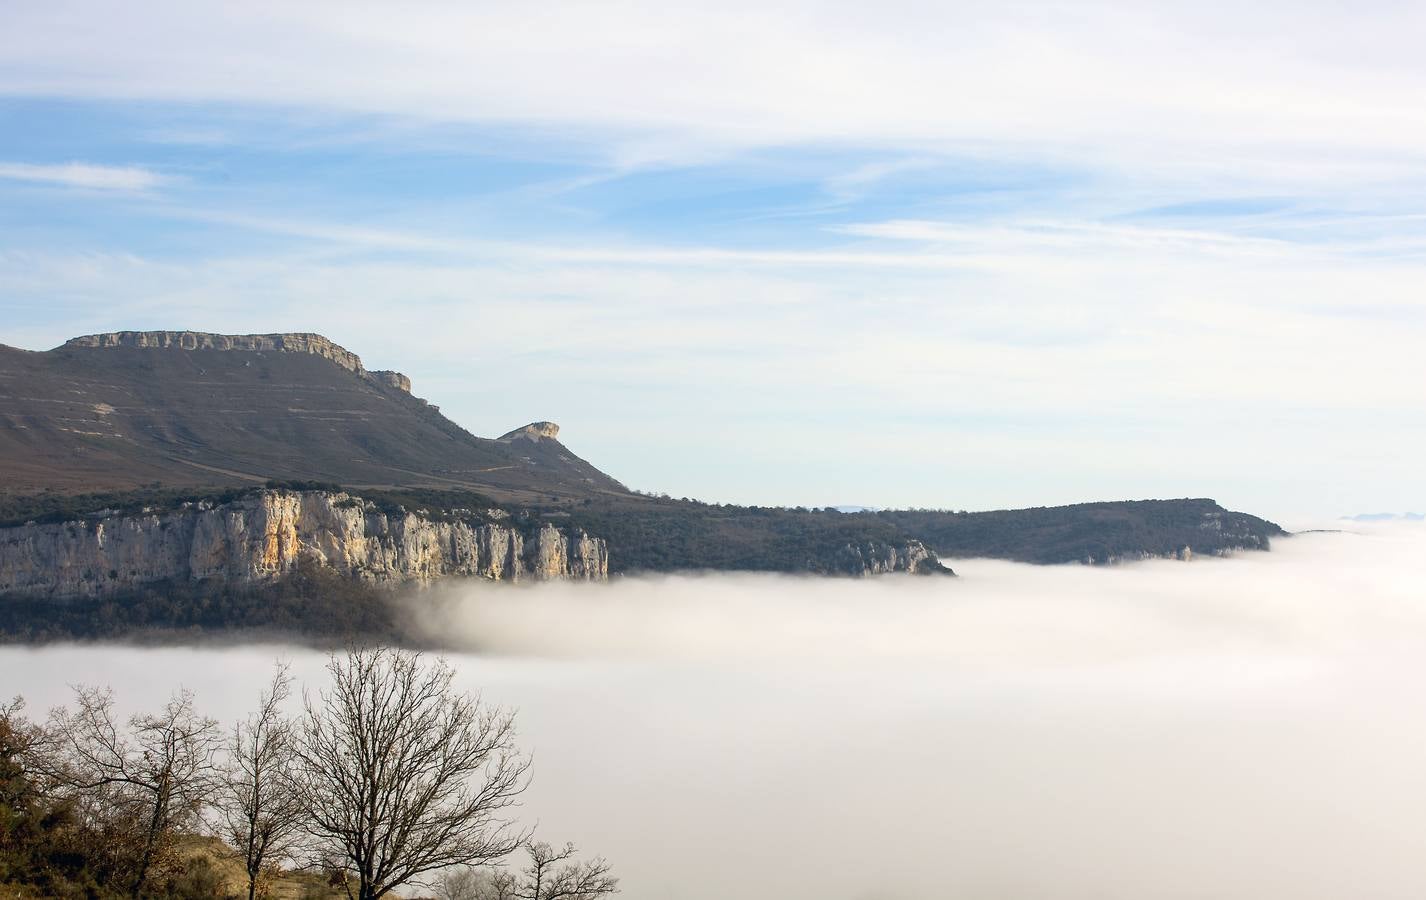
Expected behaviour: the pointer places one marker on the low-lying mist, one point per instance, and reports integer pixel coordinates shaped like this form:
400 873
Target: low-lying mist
1251 727
1317 592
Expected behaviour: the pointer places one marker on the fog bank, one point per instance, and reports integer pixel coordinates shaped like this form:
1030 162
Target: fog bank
1316 592
1244 728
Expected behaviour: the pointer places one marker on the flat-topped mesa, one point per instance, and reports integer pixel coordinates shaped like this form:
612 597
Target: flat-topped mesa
535 431
298 342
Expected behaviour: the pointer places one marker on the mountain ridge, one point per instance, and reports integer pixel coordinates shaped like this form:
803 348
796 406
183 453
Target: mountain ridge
124 422
124 409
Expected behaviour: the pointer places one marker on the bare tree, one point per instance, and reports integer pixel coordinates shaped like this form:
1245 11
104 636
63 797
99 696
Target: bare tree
550 875
402 775
462 884
555 874
260 811
155 778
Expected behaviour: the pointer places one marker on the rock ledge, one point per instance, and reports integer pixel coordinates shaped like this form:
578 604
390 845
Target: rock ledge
289 342
535 431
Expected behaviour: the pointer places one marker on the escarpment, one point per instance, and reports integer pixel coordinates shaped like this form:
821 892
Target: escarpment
137 421
264 536
880 558
290 342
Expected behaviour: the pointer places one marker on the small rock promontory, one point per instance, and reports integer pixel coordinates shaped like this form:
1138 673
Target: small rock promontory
535 431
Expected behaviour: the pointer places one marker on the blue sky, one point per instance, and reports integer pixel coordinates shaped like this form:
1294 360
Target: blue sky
793 253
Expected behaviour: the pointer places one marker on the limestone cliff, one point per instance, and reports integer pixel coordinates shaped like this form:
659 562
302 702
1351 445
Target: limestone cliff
878 558
535 431
292 342
262 536
394 379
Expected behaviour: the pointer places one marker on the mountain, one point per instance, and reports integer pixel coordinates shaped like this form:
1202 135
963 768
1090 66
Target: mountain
127 409
132 459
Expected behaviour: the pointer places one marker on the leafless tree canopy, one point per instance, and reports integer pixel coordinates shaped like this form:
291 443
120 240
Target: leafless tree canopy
389 777
258 804
462 884
148 782
402 775
551 874
555 874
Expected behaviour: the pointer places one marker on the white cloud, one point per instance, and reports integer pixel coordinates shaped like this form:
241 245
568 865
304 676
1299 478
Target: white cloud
1025 365
84 175
1038 733
1186 355
1272 91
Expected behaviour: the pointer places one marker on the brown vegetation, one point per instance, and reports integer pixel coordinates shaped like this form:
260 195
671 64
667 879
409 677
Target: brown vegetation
390 777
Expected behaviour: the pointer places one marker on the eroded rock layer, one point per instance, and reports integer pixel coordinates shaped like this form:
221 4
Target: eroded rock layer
263 536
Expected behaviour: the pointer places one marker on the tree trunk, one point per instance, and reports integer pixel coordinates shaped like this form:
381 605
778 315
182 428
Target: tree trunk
160 806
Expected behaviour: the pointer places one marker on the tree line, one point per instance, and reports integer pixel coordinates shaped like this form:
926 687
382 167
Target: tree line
387 777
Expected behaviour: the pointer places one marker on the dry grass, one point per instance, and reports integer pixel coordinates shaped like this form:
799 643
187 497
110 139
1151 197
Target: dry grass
287 885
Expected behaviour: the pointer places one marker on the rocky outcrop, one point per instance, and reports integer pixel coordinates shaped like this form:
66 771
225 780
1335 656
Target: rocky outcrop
300 342
879 558
263 536
535 431
393 379
290 342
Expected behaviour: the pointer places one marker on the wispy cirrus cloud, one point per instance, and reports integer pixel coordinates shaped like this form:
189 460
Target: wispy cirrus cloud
1138 251
1277 90
1114 363
85 175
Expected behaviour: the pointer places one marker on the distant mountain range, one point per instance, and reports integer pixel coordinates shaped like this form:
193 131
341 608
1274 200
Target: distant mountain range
1387 517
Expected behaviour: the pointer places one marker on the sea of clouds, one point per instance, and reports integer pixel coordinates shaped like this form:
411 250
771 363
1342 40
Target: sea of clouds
1239 728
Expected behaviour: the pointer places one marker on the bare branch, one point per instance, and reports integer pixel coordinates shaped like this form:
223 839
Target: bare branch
554 874
260 812
402 775
149 780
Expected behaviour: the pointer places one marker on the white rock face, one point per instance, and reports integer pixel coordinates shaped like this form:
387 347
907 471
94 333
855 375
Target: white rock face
535 431
393 379
881 558
295 342
261 537
304 342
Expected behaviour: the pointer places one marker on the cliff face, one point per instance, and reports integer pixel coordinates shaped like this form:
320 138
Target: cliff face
261 537
296 342
880 558
535 431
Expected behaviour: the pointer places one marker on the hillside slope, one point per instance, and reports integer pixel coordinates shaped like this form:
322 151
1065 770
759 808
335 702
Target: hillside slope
126 409
650 534
1090 532
129 422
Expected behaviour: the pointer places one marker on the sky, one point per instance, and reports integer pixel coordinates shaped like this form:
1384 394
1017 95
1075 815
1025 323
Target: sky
905 254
